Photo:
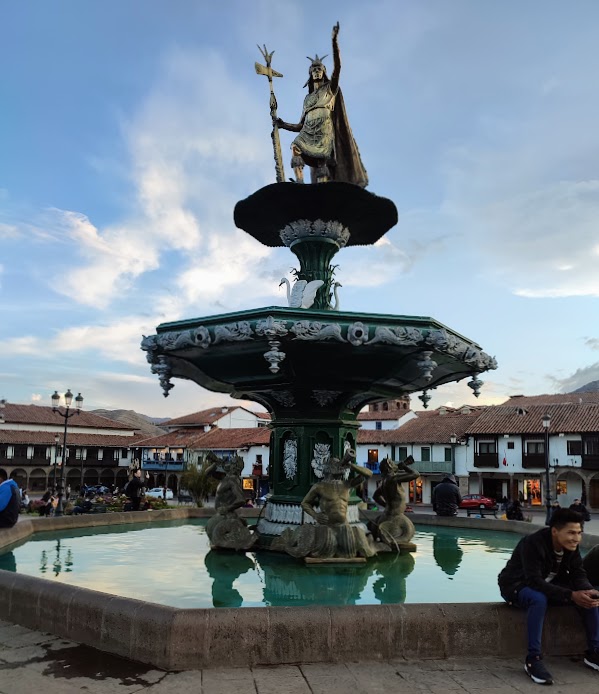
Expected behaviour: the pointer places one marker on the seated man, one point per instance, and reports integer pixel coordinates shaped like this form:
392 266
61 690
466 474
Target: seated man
10 501
546 568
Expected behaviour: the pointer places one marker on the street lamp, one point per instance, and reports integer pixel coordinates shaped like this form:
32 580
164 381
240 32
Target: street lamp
546 423
2 407
56 442
453 439
68 399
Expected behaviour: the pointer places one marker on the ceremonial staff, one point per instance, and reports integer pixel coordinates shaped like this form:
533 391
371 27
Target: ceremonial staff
276 143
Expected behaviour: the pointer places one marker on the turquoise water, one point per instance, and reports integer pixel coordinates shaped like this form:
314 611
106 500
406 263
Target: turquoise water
171 564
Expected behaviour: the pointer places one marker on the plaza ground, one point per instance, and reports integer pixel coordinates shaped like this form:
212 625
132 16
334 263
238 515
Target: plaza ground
32 662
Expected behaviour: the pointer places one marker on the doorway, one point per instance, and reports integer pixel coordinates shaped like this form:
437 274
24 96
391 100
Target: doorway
532 492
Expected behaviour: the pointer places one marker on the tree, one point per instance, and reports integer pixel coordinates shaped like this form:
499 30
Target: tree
199 483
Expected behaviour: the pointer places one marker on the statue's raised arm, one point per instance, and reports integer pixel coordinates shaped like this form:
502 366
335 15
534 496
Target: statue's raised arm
325 141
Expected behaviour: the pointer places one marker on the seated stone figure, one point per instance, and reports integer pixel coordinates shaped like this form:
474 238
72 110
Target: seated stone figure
226 530
332 536
393 527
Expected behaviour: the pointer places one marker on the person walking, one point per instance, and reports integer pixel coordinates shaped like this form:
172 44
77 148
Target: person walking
546 569
134 490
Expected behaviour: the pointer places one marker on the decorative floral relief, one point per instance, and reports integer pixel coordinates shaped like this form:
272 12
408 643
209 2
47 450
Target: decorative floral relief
234 332
290 458
322 454
306 330
325 397
270 327
357 334
397 336
304 228
283 397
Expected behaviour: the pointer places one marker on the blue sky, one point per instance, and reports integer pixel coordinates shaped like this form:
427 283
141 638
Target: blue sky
129 130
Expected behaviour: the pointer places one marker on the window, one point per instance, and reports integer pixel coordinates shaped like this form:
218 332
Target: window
574 447
115 454
591 446
561 487
124 453
535 447
425 454
402 453
510 445
100 453
79 454
487 447
373 455
180 457
448 458
378 426
259 459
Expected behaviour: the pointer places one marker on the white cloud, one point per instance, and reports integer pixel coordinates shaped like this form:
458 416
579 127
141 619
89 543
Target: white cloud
36 397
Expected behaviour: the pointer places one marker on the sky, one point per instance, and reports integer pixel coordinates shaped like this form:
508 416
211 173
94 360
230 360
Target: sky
129 130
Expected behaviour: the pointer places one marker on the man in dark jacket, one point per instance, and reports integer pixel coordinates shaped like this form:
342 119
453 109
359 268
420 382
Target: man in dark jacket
591 566
447 497
546 568
579 507
134 489
10 501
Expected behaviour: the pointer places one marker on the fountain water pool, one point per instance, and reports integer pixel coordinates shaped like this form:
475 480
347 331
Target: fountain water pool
171 564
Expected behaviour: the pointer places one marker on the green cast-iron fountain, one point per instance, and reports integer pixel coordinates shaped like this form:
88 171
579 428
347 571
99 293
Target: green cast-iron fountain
313 367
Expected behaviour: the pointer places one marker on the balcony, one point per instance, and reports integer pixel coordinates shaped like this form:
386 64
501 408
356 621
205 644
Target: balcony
432 467
374 467
533 460
486 460
590 462
162 465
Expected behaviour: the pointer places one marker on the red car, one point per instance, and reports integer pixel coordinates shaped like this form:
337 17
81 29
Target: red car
474 501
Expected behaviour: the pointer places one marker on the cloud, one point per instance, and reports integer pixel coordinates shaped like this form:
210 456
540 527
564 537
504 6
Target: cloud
578 379
192 150
592 342
36 397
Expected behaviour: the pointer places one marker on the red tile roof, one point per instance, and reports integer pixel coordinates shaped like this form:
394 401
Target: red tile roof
46 438
181 438
527 419
381 416
554 399
366 436
433 427
37 414
220 439
201 418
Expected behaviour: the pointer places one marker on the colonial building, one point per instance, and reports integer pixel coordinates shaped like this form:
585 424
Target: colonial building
31 441
506 451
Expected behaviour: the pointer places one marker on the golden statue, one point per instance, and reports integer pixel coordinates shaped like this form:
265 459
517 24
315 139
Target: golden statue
325 141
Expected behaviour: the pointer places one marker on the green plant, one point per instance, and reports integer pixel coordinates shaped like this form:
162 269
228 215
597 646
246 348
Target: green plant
199 483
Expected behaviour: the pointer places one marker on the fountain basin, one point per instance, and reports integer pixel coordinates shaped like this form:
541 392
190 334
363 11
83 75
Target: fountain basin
179 639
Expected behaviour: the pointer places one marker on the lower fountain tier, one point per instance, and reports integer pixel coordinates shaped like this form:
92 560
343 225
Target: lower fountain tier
279 517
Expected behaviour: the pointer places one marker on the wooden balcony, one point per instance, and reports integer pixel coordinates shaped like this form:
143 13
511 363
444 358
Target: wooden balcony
533 460
486 460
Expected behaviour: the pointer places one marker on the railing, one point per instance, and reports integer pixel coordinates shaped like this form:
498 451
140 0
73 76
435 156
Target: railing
536 460
159 465
431 467
486 460
374 467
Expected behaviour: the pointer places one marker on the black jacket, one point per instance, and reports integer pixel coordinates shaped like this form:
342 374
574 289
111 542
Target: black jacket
591 565
532 561
10 515
446 498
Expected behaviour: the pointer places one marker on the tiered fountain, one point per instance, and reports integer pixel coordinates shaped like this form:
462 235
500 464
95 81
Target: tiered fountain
312 366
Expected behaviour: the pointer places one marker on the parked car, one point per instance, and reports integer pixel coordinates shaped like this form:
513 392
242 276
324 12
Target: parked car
96 489
158 493
477 501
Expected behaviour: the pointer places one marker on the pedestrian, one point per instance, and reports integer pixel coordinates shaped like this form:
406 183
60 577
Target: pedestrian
68 492
555 506
10 501
546 569
579 507
520 497
514 511
25 500
134 489
447 497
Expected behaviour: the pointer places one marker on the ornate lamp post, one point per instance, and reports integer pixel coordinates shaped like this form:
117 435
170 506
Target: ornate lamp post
546 423
68 399
453 439
56 442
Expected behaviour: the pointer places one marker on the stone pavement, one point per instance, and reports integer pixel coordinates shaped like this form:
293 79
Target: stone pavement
36 663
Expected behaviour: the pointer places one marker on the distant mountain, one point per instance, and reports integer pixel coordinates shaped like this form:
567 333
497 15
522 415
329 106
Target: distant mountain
142 422
591 387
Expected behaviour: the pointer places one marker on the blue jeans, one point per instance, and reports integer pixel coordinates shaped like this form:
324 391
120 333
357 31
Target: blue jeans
536 603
